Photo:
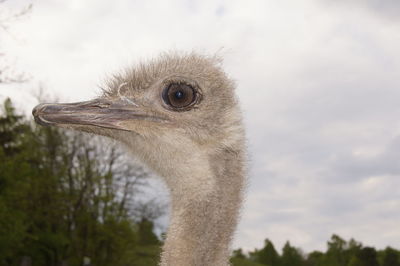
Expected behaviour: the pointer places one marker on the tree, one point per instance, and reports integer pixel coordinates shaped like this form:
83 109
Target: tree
240 259
146 235
291 256
267 255
368 257
12 129
335 255
391 257
13 221
355 261
315 258
238 253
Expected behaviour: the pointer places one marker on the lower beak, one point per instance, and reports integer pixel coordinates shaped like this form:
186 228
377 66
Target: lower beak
99 112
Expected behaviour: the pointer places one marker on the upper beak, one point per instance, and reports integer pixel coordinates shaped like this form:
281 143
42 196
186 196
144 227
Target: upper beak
98 112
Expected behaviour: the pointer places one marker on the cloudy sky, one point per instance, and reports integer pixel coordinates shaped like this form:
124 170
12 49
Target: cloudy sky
318 80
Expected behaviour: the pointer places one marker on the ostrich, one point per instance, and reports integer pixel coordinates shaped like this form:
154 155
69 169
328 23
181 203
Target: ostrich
179 115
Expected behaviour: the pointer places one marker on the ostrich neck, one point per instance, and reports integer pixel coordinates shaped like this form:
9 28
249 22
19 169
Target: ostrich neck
202 226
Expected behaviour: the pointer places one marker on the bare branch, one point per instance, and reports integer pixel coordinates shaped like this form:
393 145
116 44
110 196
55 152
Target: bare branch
15 16
7 75
150 210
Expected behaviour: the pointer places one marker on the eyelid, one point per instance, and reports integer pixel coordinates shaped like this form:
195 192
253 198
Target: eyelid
179 79
167 102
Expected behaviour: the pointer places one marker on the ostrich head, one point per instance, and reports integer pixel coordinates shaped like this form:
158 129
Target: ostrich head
172 112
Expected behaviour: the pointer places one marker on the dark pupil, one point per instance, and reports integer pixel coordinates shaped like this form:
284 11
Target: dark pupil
179 94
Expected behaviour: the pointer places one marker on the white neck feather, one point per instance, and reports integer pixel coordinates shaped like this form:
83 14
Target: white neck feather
205 213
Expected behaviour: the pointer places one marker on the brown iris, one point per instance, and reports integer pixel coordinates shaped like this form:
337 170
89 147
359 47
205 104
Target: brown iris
179 95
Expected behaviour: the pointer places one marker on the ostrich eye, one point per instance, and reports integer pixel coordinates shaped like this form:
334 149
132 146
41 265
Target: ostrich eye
179 95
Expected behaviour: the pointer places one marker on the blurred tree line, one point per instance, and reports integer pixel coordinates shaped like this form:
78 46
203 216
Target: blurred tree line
66 197
339 253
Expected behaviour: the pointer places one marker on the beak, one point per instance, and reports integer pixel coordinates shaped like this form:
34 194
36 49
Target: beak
98 112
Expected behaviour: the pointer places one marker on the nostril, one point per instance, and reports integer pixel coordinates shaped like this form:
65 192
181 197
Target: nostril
35 110
101 105
40 109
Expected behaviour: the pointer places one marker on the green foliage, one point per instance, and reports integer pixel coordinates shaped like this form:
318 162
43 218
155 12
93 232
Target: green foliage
368 256
315 258
335 255
391 257
65 196
291 256
244 262
146 236
355 261
339 252
267 256
240 259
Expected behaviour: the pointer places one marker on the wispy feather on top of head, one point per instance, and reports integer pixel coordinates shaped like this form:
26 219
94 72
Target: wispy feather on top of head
143 74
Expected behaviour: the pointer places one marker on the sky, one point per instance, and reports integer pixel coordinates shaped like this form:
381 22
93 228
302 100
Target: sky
318 82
